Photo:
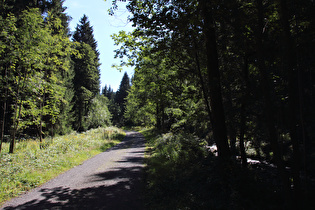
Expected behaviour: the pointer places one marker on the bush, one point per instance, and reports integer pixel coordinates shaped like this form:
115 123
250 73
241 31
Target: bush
173 159
98 115
178 149
181 174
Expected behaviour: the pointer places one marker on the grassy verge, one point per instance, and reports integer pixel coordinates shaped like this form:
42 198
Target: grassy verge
31 166
150 134
171 161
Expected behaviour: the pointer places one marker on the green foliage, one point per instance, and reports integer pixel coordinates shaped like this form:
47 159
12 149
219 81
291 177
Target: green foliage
182 174
161 96
120 100
16 7
186 53
113 133
108 92
31 166
98 115
84 34
35 68
85 68
177 150
86 80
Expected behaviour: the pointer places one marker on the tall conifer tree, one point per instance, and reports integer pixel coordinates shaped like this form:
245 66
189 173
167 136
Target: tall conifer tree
121 97
86 80
84 34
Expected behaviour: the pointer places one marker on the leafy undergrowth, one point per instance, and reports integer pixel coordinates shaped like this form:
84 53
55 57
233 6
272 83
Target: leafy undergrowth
31 166
181 174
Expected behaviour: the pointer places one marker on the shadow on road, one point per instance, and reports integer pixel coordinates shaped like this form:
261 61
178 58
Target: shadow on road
124 191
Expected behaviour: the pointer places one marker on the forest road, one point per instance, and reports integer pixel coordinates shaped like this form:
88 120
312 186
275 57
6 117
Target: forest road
110 180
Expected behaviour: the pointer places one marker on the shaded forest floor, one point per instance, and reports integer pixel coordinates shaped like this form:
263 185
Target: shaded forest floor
183 175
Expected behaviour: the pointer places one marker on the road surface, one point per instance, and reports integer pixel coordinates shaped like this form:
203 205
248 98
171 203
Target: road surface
110 180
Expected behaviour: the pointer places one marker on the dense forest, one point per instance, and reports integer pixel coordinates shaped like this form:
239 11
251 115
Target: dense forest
50 77
235 74
239 74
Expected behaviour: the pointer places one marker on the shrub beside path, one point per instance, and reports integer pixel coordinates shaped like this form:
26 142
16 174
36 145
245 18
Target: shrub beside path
110 180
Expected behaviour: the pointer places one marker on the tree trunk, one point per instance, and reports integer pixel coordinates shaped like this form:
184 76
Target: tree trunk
214 86
158 116
290 65
231 124
3 123
42 101
15 125
4 108
243 112
202 84
17 114
52 131
266 89
40 126
162 108
242 135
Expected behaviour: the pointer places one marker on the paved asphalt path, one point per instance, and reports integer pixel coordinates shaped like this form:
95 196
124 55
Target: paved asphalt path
110 180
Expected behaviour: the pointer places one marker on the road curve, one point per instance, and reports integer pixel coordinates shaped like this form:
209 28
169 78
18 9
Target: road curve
110 180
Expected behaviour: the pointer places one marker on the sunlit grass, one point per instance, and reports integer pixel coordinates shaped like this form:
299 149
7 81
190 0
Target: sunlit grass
31 166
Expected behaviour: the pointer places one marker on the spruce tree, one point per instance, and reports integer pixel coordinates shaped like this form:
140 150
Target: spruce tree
122 92
108 92
84 34
121 97
56 8
86 81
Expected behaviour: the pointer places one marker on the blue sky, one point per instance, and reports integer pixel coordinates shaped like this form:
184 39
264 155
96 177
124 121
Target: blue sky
104 25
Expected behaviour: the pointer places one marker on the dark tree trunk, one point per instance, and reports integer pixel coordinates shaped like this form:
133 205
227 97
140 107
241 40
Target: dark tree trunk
41 118
15 125
242 135
158 116
231 123
4 108
232 135
41 125
202 84
243 112
3 123
214 86
290 65
266 89
17 114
